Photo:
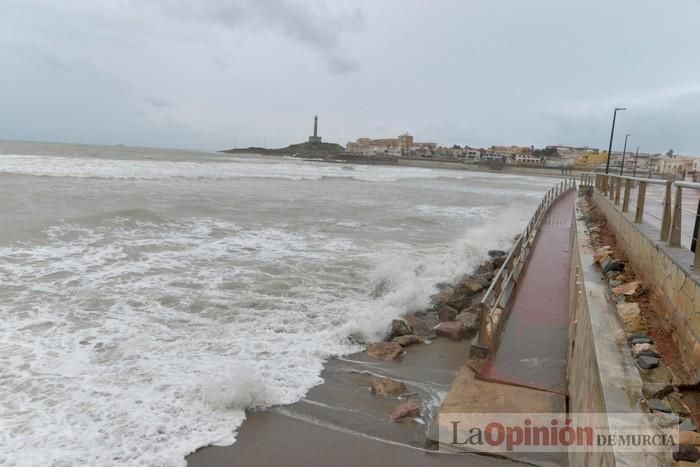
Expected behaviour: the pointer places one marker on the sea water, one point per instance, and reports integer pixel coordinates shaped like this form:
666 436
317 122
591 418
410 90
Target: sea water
148 296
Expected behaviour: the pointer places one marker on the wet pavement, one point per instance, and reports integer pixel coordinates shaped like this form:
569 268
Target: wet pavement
532 350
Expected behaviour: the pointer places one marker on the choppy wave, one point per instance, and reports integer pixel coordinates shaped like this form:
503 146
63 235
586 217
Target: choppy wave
134 333
85 167
135 342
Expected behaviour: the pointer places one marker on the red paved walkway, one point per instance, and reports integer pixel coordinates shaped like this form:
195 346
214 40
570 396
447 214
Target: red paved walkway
533 345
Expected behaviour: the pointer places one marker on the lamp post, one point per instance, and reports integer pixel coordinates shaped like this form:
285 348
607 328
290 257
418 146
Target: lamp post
634 169
622 166
612 133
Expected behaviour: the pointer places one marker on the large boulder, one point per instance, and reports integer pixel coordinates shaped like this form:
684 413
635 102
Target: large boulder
602 253
629 289
385 350
405 341
631 317
486 266
441 297
406 410
496 253
387 387
454 330
689 437
423 325
446 313
465 291
686 452
648 362
470 322
656 390
475 308
499 260
399 327
644 349
612 265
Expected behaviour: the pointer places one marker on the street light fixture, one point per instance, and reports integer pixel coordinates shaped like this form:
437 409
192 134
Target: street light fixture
612 133
622 166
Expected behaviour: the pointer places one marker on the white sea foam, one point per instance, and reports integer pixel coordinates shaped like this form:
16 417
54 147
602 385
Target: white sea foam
144 169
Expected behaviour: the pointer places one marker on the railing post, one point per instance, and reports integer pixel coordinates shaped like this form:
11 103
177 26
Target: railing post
641 195
626 199
666 221
675 237
483 326
611 189
618 187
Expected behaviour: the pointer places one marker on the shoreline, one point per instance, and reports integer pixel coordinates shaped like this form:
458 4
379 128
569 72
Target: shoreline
429 164
342 422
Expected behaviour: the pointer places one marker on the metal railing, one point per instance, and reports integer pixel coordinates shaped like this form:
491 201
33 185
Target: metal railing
671 219
496 302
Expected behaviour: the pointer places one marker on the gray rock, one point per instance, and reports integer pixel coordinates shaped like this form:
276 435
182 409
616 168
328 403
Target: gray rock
399 327
464 292
658 405
385 350
656 390
687 425
647 362
614 266
405 341
486 266
498 261
647 353
476 308
441 297
446 313
387 387
470 322
610 276
423 325
406 410
687 453
452 330
639 339
496 253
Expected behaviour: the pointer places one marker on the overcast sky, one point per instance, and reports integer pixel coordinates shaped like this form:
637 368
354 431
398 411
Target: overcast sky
210 73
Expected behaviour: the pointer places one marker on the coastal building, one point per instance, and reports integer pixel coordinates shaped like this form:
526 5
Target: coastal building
590 159
403 145
471 154
674 165
527 159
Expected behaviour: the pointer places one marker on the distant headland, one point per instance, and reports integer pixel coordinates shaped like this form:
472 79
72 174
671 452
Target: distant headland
313 148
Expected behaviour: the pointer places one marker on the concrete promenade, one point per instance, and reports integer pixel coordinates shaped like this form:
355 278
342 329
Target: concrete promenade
527 372
532 349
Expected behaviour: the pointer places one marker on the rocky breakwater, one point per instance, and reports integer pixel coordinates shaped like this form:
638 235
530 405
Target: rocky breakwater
454 314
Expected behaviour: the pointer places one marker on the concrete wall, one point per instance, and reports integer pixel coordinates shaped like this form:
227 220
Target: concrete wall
602 376
584 385
666 270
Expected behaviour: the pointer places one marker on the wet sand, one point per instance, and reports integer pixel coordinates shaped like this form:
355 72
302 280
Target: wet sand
340 423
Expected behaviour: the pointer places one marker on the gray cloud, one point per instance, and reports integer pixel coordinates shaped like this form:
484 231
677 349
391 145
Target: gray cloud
206 73
316 28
